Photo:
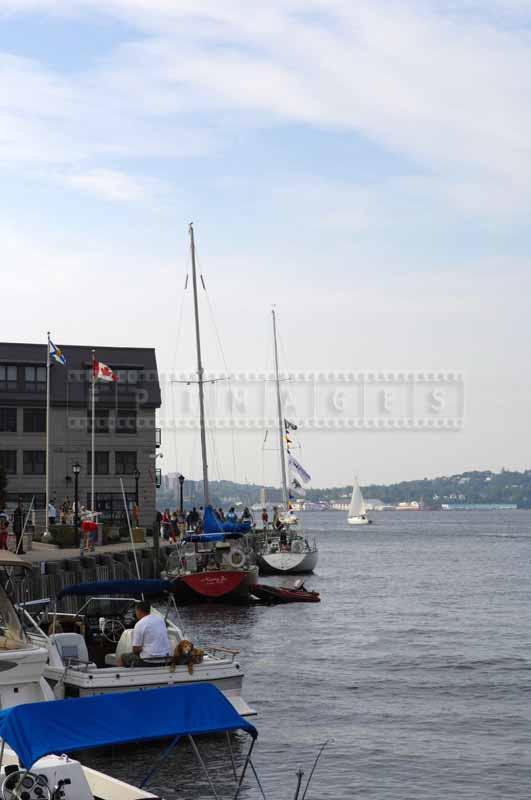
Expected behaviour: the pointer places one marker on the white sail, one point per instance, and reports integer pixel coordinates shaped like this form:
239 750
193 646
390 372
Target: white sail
357 503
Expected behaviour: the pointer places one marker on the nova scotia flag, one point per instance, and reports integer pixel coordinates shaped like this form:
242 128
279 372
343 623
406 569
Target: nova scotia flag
56 354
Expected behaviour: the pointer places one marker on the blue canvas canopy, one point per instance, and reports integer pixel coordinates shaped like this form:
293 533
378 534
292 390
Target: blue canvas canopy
123 588
34 730
211 523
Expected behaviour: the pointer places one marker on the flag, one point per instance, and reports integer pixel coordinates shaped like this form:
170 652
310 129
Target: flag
297 487
102 372
298 468
56 354
290 426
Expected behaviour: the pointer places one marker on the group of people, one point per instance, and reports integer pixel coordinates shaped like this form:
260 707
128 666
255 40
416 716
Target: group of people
174 526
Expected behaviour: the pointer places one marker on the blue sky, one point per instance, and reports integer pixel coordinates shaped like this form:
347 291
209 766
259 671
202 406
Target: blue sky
365 166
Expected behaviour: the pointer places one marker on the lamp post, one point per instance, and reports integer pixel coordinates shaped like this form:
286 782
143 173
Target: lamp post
181 481
136 475
76 469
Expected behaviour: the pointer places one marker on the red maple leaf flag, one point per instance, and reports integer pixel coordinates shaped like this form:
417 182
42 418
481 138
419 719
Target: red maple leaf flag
102 372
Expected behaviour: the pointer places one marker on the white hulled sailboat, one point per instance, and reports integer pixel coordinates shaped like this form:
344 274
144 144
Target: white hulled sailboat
357 513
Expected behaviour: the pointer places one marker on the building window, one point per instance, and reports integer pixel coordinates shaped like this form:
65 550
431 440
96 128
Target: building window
125 422
35 379
101 420
110 506
8 378
8 460
39 500
8 420
101 462
125 462
34 420
34 462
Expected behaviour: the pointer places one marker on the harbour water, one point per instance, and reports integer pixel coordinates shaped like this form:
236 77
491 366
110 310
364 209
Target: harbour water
416 663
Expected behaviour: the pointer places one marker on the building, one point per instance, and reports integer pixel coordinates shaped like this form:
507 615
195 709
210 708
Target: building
126 436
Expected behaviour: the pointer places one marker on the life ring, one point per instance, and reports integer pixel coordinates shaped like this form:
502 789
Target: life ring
297 546
236 557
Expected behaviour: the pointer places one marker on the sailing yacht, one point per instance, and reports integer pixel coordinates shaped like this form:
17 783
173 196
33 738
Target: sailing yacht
285 550
357 513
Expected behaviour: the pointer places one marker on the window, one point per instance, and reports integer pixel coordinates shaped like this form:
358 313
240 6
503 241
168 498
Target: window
101 462
8 378
8 420
35 379
125 462
110 506
125 422
39 499
34 461
8 460
101 420
34 420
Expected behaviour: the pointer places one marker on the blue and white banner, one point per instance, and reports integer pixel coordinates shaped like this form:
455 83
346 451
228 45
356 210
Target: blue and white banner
56 354
297 487
298 468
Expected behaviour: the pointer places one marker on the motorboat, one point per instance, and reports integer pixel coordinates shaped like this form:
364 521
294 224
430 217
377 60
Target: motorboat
212 566
357 513
83 647
32 733
285 594
23 686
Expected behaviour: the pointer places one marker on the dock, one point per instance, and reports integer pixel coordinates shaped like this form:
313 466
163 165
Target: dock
54 568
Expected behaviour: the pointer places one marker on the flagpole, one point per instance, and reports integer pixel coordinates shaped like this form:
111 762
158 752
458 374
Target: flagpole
47 490
93 439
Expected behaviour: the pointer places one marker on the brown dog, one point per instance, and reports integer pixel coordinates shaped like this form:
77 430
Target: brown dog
183 655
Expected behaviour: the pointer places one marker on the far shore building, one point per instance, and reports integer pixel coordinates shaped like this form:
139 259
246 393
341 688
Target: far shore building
126 436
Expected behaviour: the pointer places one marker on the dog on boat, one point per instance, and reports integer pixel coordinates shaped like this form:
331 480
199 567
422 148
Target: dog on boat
186 653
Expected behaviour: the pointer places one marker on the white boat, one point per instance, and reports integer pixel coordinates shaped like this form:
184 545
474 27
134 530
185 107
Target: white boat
285 550
357 513
83 648
22 683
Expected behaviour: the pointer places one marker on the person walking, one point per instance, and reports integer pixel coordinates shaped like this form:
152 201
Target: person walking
265 519
18 525
4 528
52 514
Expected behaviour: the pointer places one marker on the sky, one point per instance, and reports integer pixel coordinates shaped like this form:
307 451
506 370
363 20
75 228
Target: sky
363 166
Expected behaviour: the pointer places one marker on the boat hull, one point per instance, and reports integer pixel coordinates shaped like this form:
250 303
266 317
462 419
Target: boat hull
222 586
358 521
281 594
287 563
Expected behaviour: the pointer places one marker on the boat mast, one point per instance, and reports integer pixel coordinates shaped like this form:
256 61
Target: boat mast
199 374
280 419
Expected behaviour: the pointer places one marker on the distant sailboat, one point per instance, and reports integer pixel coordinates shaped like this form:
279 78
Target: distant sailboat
357 513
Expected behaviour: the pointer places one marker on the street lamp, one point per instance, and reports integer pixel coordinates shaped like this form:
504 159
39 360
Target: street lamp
76 469
181 481
136 475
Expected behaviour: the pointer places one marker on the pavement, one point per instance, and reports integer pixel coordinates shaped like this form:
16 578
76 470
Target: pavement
41 551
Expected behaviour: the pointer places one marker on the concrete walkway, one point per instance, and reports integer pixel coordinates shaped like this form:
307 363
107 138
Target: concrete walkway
50 552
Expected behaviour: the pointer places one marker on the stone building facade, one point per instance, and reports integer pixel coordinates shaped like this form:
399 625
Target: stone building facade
126 436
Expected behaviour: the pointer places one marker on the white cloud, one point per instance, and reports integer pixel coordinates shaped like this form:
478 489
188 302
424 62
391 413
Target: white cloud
110 184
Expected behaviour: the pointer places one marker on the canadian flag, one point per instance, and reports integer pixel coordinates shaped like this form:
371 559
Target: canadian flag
102 372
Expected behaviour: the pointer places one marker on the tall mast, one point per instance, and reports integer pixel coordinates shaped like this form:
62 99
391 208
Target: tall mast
280 419
47 501
199 373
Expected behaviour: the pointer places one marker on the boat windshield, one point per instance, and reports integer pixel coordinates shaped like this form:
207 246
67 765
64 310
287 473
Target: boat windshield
11 630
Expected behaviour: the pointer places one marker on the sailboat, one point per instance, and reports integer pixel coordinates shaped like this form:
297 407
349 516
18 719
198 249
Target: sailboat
357 513
286 550
215 563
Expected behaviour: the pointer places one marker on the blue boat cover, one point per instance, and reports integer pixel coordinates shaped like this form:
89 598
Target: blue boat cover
211 524
122 588
34 730
205 537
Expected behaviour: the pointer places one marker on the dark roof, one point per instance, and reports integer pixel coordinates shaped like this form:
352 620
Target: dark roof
69 385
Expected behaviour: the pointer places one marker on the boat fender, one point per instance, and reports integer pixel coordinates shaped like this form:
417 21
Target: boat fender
297 546
236 557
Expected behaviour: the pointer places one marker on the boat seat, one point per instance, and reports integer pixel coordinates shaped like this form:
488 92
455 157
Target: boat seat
72 647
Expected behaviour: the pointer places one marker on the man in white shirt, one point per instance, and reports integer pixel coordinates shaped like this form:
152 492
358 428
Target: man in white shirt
150 637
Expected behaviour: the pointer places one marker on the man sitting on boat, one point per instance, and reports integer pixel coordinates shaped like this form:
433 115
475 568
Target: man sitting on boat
150 638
